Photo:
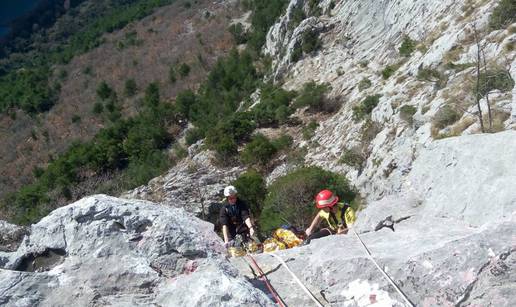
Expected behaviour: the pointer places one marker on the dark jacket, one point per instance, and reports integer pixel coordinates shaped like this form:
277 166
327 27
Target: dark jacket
234 216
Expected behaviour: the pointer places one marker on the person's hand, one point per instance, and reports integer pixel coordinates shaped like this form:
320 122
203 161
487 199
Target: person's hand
342 230
251 231
308 231
228 244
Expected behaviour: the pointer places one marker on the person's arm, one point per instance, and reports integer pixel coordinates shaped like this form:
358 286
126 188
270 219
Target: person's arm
250 226
246 217
223 219
225 233
315 223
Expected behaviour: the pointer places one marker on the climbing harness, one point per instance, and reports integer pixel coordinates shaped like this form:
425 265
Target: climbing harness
267 283
382 271
314 299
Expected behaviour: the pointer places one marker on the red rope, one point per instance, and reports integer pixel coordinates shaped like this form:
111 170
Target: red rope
266 281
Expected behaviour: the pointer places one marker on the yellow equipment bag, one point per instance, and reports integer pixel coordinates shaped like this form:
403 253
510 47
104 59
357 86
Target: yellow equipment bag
272 245
287 237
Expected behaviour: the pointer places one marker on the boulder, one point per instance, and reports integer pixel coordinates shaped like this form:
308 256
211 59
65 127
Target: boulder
108 251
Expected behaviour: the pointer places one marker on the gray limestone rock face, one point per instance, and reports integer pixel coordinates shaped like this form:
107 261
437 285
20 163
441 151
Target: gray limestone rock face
447 239
107 251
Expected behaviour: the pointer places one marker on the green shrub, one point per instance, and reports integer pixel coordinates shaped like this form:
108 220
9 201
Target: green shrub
365 108
388 71
193 135
314 8
98 107
445 116
179 152
184 70
353 158
274 106
251 188
296 54
238 33
407 47
311 42
172 75
151 98
313 95
407 112
282 142
184 101
76 118
432 75
297 16
364 84
290 198
88 71
503 15
104 91
265 13
309 130
139 172
495 79
130 87
259 151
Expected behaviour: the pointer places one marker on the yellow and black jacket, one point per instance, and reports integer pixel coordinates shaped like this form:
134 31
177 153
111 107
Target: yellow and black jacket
341 215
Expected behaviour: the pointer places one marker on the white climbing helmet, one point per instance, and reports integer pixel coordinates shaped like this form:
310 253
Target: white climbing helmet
230 190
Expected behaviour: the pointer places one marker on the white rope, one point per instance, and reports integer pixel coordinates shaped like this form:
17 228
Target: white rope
383 272
297 280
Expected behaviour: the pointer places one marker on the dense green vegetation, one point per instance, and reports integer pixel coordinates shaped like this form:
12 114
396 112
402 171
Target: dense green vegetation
251 188
290 198
265 13
25 81
239 33
132 147
274 107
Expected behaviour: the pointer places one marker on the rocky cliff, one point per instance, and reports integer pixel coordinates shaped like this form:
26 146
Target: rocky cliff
443 189
103 251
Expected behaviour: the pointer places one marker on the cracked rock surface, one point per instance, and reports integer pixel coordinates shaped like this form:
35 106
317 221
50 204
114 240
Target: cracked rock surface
442 250
104 251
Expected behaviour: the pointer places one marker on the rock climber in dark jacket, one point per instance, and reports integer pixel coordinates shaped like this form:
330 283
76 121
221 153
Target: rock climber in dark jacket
234 217
338 216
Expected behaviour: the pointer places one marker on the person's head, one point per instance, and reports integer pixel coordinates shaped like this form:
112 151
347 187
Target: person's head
230 192
325 200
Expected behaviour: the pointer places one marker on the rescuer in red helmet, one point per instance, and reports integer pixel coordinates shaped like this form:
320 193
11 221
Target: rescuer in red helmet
338 216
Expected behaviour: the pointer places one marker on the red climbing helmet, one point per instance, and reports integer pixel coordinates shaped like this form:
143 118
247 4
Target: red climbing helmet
325 198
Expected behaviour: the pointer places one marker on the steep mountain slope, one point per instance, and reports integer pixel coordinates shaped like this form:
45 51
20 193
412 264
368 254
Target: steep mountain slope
144 51
359 40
